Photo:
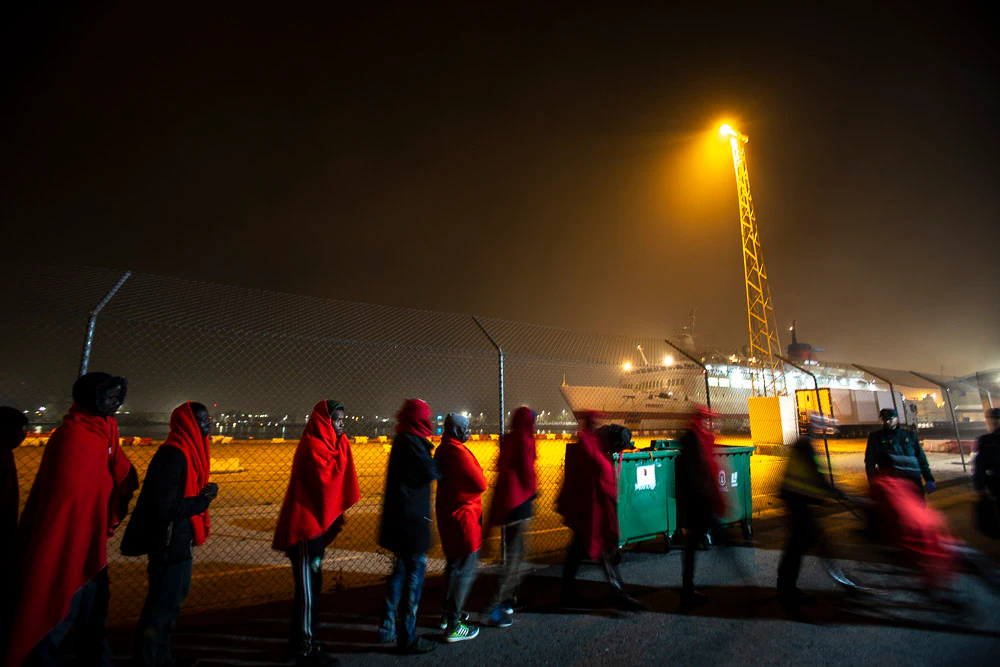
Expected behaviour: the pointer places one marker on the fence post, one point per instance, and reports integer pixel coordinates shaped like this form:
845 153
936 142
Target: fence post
503 536
819 406
92 322
951 409
704 373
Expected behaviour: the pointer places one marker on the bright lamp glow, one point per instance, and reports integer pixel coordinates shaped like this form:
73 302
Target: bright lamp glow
668 360
627 366
727 131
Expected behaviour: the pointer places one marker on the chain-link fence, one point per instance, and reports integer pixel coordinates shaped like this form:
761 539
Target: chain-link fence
261 360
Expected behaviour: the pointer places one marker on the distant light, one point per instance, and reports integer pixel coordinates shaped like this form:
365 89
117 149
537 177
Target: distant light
668 360
791 328
41 409
627 366
727 131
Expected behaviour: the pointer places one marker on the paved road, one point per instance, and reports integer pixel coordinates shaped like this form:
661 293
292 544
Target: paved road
742 623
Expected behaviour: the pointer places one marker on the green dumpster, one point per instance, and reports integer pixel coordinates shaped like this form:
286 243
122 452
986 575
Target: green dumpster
647 498
672 443
734 479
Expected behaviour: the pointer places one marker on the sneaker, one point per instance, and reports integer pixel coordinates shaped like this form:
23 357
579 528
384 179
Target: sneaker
508 606
499 618
419 645
386 637
461 633
462 618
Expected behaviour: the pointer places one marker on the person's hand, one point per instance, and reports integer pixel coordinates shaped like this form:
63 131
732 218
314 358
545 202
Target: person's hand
931 487
210 491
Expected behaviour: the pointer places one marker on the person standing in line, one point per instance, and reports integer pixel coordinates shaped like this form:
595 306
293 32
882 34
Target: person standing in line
516 488
323 485
588 503
459 509
12 433
699 499
170 519
79 497
406 519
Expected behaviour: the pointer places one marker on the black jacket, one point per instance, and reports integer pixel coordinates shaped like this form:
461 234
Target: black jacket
896 452
986 465
694 506
160 525
406 514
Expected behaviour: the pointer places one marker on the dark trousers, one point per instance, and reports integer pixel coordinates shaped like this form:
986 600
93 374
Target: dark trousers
459 573
88 614
693 536
576 555
405 584
307 568
510 579
169 584
802 533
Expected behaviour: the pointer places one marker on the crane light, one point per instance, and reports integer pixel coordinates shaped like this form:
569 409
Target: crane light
627 366
668 360
727 131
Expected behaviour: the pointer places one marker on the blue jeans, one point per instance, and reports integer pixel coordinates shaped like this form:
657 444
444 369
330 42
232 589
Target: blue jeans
407 574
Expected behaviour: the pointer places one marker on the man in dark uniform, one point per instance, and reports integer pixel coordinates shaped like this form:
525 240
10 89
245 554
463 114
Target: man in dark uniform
895 451
986 470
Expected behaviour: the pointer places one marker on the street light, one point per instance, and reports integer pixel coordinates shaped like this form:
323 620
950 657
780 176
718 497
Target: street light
627 366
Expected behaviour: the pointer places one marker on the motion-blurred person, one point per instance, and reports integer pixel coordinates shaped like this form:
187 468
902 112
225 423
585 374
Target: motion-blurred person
80 494
12 433
897 452
459 508
920 532
699 499
804 486
516 488
588 503
986 477
406 518
323 485
170 519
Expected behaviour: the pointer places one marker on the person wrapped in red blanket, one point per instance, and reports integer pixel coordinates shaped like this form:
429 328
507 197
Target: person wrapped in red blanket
170 519
588 503
79 497
921 532
700 502
323 485
459 511
516 488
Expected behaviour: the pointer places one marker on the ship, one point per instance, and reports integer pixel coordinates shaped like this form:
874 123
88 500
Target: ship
659 397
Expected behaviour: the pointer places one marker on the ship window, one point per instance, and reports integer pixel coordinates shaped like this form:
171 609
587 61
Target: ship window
713 382
723 382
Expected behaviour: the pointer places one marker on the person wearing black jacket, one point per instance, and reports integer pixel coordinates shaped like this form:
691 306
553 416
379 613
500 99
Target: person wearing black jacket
406 519
170 518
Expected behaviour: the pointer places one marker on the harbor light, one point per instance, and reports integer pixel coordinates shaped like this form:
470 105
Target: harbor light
727 131
668 360
627 366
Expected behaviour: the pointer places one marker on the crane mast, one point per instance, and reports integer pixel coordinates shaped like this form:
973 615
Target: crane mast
768 371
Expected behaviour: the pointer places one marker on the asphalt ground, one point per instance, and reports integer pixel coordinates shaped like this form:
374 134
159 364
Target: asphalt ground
237 565
742 623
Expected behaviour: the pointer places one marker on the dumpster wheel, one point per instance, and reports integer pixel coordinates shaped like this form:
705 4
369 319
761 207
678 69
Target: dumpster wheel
747 531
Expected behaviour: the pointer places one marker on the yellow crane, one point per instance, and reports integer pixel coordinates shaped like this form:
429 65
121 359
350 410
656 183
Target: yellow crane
767 369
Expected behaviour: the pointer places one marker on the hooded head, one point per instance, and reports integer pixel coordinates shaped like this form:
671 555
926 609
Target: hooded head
338 413
523 419
456 426
589 420
415 418
889 418
993 414
202 416
12 428
100 394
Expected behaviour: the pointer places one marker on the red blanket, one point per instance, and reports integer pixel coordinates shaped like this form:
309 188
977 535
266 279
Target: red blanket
459 504
186 436
920 531
323 484
80 495
707 442
589 496
516 480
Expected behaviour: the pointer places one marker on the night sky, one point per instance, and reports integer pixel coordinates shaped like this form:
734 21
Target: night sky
554 166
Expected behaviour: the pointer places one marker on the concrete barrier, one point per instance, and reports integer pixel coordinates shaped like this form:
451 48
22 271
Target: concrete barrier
360 439
225 466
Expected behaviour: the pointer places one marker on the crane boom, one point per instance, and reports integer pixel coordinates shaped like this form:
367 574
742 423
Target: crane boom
768 371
